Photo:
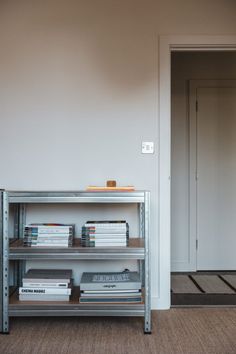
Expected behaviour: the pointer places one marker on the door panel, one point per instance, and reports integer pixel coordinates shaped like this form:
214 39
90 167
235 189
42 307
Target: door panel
216 177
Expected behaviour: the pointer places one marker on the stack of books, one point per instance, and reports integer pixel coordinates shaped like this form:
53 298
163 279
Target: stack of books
46 285
105 233
124 287
49 235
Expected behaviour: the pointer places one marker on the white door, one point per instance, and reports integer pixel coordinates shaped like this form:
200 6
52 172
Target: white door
213 173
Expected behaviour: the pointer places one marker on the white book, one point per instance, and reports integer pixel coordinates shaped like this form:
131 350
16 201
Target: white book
111 291
41 297
44 285
42 229
39 240
106 235
110 245
111 294
107 226
54 235
105 231
50 245
48 291
102 240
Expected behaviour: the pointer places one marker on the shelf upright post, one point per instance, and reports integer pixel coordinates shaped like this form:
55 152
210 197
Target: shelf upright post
147 315
141 235
4 245
16 235
21 223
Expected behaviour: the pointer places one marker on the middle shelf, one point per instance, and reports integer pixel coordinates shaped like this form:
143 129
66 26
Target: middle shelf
72 307
135 250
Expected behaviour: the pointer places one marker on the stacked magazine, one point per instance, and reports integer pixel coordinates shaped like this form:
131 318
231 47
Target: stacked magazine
46 285
105 233
122 287
49 235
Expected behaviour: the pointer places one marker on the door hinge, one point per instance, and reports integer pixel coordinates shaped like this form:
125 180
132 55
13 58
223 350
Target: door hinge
196 106
196 244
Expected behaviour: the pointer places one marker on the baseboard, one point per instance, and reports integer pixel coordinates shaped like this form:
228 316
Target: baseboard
158 304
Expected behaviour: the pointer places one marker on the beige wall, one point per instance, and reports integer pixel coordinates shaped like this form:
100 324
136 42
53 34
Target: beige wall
79 90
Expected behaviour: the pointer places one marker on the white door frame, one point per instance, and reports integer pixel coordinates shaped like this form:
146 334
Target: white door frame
168 44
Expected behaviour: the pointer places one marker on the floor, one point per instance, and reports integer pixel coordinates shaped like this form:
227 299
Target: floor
203 289
175 331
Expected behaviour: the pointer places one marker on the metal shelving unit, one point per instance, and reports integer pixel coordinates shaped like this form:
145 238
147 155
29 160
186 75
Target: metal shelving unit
12 249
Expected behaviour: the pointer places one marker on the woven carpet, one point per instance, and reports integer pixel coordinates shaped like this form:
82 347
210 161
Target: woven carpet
175 331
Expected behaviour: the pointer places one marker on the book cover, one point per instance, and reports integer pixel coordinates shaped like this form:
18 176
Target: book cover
114 281
48 275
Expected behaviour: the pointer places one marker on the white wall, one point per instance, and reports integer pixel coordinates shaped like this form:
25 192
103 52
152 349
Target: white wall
186 66
79 91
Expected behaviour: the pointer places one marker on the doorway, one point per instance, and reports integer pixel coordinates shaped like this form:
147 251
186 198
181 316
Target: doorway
168 45
203 162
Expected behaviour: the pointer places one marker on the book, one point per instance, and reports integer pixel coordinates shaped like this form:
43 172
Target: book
50 245
46 285
111 300
117 224
105 236
113 294
44 290
27 284
107 233
114 281
49 235
121 291
50 228
43 297
48 276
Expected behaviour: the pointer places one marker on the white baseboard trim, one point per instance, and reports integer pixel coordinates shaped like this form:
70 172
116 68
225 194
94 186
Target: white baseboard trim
157 304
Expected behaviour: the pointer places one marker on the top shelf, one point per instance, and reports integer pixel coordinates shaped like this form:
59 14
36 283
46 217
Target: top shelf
76 197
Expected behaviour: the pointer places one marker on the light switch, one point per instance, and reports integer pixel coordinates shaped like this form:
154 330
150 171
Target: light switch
147 147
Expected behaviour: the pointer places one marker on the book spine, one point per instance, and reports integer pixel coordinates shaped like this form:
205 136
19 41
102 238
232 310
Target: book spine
36 231
47 291
111 286
111 300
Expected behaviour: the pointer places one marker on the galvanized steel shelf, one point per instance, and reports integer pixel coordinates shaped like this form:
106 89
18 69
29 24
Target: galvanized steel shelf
135 250
72 308
12 249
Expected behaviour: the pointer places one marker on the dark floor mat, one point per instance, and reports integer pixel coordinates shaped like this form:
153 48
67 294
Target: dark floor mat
209 289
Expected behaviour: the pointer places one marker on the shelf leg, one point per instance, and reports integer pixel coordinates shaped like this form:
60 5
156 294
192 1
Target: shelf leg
4 244
147 316
21 223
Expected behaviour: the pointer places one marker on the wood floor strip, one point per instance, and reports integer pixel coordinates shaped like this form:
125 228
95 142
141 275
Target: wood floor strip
181 284
212 284
231 279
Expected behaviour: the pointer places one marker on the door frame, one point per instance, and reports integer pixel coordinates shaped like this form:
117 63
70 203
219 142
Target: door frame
167 45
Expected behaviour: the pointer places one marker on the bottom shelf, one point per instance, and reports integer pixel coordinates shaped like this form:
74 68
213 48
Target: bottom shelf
71 308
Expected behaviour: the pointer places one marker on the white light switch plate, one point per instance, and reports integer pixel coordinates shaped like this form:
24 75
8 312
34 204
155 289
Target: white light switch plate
147 147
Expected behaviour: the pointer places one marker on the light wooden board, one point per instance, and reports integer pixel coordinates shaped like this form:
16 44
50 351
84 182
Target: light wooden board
212 284
231 279
182 284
